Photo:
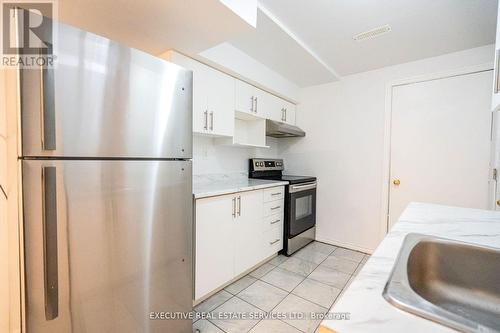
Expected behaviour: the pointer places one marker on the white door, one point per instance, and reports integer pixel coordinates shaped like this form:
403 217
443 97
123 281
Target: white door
214 243
440 142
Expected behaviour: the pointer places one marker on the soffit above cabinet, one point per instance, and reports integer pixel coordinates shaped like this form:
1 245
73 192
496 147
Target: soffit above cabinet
278 48
154 26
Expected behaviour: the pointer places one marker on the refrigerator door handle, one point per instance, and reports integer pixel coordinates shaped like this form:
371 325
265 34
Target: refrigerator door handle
47 108
49 220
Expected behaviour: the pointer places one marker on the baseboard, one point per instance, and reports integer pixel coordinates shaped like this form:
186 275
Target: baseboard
350 246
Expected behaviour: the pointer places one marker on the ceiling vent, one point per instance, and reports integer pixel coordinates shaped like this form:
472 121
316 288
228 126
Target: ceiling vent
373 33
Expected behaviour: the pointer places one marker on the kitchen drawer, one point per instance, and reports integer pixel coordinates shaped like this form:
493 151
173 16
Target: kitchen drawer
274 193
273 221
273 240
273 207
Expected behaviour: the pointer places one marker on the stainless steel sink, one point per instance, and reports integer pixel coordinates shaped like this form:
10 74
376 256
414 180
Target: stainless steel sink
453 283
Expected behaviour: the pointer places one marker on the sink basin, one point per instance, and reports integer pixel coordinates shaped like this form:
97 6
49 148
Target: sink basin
450 282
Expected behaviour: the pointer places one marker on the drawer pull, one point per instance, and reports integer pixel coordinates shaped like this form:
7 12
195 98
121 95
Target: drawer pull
274 208
276 193
274 222
276 241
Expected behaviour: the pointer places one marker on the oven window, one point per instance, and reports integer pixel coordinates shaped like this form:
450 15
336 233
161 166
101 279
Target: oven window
303 207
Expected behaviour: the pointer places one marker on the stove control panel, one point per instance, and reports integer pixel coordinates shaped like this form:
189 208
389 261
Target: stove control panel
262 164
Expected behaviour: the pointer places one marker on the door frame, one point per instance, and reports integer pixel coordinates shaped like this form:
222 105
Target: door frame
386 166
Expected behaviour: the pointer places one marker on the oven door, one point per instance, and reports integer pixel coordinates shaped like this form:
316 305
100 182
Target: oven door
301 208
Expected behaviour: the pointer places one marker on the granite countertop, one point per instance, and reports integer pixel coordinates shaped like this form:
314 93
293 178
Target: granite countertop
369 311
213 185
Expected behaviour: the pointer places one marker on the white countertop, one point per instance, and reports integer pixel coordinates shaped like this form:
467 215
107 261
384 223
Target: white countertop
213 185
369 311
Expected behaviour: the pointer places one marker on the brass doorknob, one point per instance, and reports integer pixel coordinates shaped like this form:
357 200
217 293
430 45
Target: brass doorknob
498 202
396 182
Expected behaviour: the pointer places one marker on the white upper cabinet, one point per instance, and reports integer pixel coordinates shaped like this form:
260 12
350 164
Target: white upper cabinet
257 102
289 113
273 107
278 109
213 97
220 103
248 99
218 96
495 104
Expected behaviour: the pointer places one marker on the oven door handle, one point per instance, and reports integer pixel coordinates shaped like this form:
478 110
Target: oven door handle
302 187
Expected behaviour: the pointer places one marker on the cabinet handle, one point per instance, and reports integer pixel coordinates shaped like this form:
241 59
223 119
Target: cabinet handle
212 121
285 113
252 108
239 205
274 222
276 241
277 193
206 120
274 208
256 105
234 207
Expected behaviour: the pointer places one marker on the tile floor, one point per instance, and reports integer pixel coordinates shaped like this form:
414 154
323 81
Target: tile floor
309 281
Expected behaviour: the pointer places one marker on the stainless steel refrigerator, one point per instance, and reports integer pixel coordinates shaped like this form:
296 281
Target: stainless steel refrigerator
107 189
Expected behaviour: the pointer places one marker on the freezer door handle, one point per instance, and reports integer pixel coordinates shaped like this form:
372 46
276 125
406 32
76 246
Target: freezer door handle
49 216
47 108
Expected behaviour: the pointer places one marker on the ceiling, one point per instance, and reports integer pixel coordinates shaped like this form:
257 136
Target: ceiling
307 42
420 29
155 26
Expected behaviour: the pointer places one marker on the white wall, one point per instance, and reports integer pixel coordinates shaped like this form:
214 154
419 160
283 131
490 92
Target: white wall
344 146
209 157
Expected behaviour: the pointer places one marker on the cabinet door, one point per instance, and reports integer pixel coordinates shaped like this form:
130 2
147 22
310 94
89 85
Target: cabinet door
273 107
201 90
248 231
214 243
220 103
201 84
262 105
244 97
289 113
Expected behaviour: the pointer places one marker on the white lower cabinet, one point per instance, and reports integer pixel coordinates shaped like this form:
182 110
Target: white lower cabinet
214 245
233 234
